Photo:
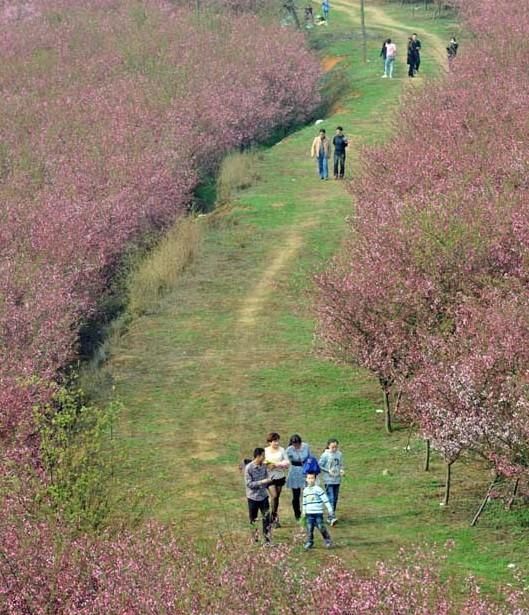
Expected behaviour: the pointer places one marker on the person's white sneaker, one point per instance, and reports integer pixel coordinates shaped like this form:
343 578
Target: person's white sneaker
384 76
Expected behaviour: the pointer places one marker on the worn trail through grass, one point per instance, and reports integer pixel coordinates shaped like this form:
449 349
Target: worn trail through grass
229 355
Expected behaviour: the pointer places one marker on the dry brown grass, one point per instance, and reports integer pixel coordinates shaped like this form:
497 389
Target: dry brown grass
238 172
159 271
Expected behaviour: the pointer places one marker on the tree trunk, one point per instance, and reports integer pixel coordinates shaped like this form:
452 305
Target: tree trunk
387 410
364 35
291 9
483 503
448 482
427 456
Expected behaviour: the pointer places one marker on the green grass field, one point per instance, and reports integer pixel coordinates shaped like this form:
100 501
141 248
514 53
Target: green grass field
230 355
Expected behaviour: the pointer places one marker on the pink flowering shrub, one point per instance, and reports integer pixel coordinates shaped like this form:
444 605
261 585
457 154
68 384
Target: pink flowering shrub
111 112
431 290
155 570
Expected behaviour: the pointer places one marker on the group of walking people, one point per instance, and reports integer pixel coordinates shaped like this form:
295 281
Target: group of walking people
388 53
321 151
275 467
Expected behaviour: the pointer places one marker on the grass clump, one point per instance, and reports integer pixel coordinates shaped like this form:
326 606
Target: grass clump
159 271
237 172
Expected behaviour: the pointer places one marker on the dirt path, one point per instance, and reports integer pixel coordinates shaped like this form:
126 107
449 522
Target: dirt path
230 354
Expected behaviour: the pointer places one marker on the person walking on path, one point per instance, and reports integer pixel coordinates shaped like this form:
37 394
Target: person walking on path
339 142
383 52
451 50
412 58
325 9
331 464
320 150
277 462
314 501
417 46
257 480
391 54
297 452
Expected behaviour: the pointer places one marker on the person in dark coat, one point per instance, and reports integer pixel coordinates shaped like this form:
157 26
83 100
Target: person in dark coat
412 57
417 44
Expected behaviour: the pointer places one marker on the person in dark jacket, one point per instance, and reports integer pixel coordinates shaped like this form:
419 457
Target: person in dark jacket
339 142
412 57
417 44
382 53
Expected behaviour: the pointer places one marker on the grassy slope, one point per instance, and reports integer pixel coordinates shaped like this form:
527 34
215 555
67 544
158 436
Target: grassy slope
229 354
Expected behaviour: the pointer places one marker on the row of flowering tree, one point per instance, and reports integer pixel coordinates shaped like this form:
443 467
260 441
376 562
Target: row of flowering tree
111 112
431 290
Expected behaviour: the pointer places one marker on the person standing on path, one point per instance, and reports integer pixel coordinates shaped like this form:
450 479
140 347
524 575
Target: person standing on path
314 501
412 57
417 46
339 142
383 52
297 452
391 54
257 480
277 463
325 9
331 464
320 150
451 50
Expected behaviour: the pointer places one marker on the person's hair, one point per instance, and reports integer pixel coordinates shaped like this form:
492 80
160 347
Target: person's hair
414 34
331 440
273 435
258 451
339 128
311 474
294 439
322 130
388 41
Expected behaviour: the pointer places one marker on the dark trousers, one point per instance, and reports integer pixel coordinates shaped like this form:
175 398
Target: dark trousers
296 502
417 62
339 164
314 521
254 506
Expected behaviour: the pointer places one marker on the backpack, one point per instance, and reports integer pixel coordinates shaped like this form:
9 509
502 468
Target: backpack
311 466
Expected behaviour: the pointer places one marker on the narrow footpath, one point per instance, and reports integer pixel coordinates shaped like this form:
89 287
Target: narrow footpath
231 355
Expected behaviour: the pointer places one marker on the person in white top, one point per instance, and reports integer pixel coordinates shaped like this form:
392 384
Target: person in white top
391 53
277 463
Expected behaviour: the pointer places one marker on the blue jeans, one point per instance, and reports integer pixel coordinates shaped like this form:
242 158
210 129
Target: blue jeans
388 66
314 521
323 166
332 494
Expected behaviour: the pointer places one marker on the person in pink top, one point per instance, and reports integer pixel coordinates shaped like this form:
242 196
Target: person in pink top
391 53
277 463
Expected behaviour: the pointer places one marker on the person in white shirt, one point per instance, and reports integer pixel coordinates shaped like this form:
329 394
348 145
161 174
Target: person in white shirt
391 54
277 463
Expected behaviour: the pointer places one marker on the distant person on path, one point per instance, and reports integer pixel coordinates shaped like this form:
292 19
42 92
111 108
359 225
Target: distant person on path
417 45
391 54
331 464
321 150
383 52
452 49
277 463
297 452
339 142
412 57
325 9
257 480
314 501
